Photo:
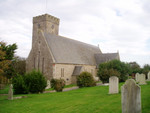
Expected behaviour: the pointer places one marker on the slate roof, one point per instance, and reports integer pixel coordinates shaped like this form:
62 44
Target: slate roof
100 58
70 51
77 70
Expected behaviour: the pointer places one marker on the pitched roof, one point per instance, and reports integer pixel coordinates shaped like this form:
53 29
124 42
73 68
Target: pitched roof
100 58
67 50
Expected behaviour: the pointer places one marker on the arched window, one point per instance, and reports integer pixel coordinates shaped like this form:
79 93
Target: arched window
39 60
43 65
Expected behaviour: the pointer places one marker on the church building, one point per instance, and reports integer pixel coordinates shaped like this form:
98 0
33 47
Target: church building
61 57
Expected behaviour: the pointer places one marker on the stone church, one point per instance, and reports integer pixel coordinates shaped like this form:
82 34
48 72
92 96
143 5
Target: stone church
61 57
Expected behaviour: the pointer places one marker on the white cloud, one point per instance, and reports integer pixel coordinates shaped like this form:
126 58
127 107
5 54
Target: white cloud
116 25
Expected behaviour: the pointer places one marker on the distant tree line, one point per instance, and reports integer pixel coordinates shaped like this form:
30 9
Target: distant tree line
120 69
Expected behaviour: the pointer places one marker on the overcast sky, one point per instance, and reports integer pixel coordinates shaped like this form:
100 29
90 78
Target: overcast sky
116 25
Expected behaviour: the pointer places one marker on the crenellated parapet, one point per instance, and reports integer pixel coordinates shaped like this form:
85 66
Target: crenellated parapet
45 17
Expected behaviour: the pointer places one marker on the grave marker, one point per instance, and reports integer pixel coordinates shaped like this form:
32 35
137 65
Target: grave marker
113 85
141 79
10 93
131 97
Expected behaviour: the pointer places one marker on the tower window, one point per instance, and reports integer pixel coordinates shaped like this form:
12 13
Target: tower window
39 26
52 26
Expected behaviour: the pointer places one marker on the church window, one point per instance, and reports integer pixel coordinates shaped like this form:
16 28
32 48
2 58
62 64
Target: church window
92 71
39 26
43 65
34 62
62 72
39 60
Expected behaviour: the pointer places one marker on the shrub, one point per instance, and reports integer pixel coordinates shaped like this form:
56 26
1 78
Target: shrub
85 79
19 85
106 73
121 67
35 81
57 84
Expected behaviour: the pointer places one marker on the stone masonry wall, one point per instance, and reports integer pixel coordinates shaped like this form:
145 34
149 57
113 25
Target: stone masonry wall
68 71
40 57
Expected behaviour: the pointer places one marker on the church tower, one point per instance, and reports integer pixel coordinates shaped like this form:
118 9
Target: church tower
46 23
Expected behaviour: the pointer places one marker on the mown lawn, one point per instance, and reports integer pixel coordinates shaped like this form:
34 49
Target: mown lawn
84 100
5 91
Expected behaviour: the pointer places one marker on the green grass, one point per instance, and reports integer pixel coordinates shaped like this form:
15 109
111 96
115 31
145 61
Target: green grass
5 90
68 86
83 100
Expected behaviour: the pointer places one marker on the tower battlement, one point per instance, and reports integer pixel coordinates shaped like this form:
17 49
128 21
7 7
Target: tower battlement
46 17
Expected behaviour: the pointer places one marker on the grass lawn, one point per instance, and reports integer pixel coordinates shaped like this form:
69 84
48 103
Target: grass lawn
5 91
84 100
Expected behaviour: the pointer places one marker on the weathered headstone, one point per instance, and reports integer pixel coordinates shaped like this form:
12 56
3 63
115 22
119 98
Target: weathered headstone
141 79
10 93
136 77
148 76
48 84
131 97
113 85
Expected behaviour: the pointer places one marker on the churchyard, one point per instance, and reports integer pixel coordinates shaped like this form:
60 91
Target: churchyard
83 100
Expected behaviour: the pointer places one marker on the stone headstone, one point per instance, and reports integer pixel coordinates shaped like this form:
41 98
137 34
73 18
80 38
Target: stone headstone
141 79
113 85
48 85
10 93
131 97
148 76
136 77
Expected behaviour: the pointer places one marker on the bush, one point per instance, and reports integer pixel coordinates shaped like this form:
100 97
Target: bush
106 73
58 84
121 67
85 79
35 81
19 85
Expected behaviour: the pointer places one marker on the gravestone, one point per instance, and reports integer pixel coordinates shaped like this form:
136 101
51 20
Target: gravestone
48 85
141 79
10 93
131 97
113 85
148 76
136 77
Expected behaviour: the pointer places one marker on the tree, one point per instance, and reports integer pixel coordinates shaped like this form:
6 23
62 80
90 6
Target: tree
116 65
146 69
135 68
6 59
19 65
